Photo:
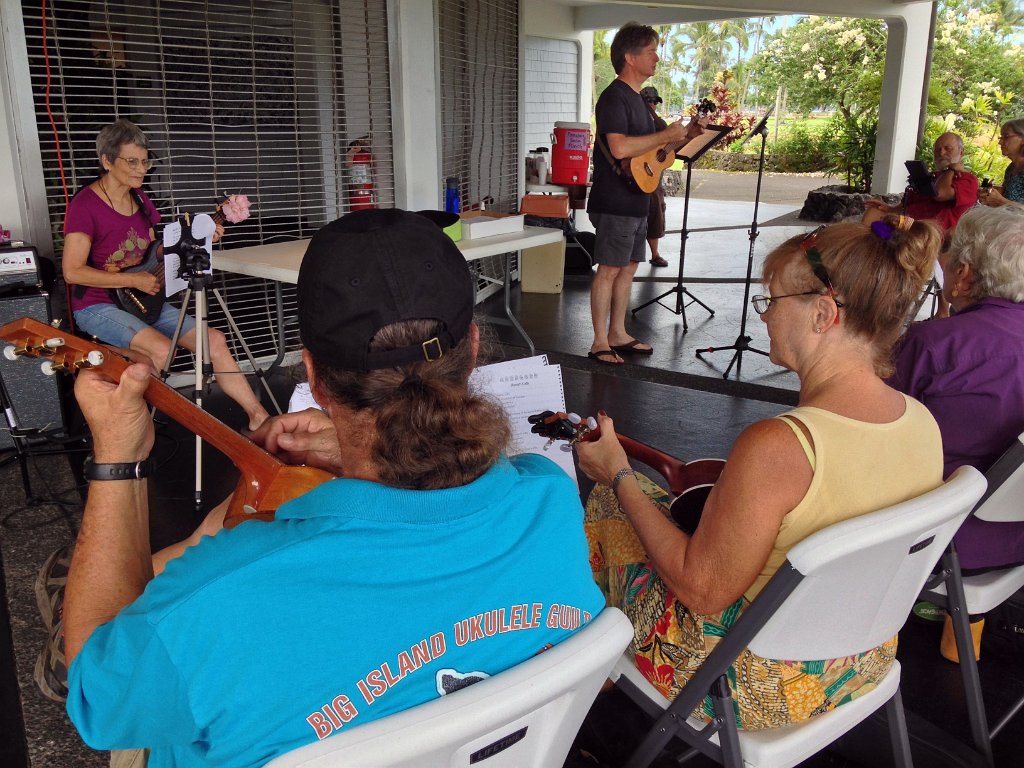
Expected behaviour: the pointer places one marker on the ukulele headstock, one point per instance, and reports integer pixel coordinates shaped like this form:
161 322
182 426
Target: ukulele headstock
59 352
570 427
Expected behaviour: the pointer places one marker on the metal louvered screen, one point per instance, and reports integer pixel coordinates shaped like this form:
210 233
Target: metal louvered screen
262 98
479 62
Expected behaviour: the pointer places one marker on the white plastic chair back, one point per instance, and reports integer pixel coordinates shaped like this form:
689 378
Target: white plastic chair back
863 575
525 716
1006 477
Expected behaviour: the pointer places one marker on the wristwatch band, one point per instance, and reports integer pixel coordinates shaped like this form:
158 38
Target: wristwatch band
136 470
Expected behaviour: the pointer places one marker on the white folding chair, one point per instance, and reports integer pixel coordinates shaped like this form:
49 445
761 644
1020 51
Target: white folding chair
525 716
964 596
842 591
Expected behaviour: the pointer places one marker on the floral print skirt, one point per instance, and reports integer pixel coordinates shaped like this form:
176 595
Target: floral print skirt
671 642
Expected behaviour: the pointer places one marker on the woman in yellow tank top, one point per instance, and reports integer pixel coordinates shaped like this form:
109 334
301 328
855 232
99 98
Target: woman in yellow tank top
838 300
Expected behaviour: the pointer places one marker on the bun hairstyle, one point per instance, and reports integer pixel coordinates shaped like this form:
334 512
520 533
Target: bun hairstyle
877 272
431 432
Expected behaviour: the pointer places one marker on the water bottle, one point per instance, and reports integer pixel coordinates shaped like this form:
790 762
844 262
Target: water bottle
452 202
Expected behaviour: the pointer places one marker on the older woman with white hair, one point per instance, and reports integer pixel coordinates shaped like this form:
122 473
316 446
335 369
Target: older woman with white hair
968 369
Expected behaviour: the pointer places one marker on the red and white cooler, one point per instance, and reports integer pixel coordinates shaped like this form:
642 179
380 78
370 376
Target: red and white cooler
570 153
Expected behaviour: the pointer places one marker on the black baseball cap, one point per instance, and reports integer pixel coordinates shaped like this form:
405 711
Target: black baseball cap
650 93
373 268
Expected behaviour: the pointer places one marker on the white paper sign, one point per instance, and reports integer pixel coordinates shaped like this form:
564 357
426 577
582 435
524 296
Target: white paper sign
203 228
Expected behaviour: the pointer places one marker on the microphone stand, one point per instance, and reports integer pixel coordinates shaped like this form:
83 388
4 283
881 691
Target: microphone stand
742 343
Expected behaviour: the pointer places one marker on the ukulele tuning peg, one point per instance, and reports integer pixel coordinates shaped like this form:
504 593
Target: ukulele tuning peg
48 367
575 418
538 418
93 359
54 343
10 353
591 423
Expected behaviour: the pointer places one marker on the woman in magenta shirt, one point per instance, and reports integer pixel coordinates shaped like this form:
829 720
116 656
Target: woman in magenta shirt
108 226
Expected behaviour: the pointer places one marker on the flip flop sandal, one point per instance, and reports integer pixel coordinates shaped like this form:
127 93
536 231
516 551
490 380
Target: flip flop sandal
605 356
631 348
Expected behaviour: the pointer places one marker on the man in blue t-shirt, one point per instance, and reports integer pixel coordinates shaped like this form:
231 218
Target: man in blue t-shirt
618 210
430 562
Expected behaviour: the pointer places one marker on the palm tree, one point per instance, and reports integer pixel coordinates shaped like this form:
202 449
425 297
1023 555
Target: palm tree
1011 16
703 45
737 30
759 25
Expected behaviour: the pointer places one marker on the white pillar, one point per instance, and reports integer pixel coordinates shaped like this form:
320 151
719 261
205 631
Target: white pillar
22 192
902 86
415 104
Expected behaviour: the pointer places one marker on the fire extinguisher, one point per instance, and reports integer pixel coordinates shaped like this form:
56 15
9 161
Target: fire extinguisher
360 175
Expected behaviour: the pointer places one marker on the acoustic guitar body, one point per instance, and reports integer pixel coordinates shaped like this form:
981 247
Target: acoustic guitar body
647 168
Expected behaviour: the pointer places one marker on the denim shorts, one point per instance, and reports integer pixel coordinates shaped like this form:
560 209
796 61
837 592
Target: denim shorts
116 327
620 239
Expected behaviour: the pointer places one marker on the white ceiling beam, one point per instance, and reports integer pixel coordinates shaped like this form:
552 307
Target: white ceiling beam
609 15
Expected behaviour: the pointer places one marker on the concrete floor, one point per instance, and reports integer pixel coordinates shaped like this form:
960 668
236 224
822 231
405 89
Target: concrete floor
670 399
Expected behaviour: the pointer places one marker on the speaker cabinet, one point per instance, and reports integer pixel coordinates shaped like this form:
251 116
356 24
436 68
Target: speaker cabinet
35 397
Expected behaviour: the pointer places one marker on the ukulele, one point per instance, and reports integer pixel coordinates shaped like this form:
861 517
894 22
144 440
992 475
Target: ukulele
146 307
689 483
646 169
265 483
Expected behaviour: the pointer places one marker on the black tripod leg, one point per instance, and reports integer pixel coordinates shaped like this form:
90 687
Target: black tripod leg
742 343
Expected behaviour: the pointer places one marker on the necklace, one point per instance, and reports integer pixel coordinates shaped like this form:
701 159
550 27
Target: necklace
103 189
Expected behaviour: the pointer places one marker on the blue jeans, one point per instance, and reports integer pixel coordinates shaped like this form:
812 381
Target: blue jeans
116 327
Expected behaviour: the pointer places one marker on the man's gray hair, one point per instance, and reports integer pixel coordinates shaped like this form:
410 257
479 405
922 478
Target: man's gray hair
114 136
991 241
957 136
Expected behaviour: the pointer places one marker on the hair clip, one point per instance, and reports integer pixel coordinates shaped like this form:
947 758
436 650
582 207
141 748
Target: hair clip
905 223
882 229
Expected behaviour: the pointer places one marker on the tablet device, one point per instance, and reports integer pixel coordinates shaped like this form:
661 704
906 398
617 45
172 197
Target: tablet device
920 180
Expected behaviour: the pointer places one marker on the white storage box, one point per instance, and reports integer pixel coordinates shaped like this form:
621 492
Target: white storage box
477 224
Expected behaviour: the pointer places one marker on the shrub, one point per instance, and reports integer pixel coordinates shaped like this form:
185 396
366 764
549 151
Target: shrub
798 152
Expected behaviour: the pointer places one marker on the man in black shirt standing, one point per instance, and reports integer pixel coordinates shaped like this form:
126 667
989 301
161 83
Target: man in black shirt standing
617 209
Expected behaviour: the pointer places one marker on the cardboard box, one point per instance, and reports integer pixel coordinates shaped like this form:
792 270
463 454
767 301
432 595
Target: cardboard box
542 268
477 224
545 206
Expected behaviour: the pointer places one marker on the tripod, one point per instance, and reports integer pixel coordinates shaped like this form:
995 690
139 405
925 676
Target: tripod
196 269
689 154
742 343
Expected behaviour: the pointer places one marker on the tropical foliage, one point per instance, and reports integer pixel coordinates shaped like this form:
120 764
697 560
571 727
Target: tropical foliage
835 65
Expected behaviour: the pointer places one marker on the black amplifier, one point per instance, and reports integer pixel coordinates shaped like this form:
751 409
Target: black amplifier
19 267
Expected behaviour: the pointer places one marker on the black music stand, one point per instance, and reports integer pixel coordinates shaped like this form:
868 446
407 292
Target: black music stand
742 343
689 154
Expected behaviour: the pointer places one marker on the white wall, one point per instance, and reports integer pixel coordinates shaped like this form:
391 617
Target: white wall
551 89
10 205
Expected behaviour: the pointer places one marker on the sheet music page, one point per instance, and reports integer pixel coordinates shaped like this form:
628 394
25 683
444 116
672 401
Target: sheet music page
701 144
202 229
525 387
